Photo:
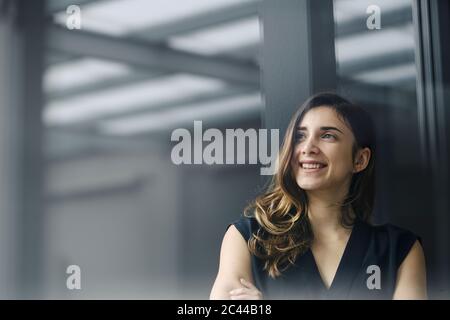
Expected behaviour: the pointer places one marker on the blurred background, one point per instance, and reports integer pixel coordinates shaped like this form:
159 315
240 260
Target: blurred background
87 115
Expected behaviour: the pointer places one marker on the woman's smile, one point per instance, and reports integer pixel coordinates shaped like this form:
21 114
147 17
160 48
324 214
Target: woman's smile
312 169
311 166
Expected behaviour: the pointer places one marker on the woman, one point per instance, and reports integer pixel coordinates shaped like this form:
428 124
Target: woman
309 236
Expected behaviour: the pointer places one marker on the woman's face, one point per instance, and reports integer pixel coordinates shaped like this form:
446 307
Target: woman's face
322 156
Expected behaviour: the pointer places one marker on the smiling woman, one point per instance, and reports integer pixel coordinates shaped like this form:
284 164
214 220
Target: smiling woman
310 236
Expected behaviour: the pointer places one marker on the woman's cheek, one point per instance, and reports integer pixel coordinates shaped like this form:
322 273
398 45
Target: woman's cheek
341 169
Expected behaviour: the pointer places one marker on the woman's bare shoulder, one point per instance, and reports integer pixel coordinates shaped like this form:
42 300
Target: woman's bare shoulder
234 254
235 263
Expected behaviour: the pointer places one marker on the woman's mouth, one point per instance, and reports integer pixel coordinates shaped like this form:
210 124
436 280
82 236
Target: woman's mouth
312 167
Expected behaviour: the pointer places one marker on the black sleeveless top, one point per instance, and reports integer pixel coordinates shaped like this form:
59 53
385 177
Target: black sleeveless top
367 270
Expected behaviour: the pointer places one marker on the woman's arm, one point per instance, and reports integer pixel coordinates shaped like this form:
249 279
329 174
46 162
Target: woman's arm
411 275
235 263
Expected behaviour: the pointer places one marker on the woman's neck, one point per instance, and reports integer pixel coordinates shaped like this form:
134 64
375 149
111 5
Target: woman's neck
324 213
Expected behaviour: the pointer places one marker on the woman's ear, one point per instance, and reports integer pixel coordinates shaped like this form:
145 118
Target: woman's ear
361 160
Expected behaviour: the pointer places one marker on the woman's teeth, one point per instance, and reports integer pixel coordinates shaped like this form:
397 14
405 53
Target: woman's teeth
312 165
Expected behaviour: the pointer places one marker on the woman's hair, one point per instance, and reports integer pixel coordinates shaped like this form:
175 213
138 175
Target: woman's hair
285 231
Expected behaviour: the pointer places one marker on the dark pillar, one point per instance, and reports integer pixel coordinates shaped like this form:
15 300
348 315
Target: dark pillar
298 56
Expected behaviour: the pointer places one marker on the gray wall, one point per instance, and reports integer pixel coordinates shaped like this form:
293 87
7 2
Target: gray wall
114 215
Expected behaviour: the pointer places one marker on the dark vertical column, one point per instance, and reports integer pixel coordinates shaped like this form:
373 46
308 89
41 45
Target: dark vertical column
432 29
21 66
298 56
8 219
31 44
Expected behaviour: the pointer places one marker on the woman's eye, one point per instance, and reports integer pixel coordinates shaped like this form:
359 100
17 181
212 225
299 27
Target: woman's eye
299 136
328 136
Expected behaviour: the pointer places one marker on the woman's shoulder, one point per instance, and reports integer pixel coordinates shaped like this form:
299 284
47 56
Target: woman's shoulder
393 232
396 239
246 225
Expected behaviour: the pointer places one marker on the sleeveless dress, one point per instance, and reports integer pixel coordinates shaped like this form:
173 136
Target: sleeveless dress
367 270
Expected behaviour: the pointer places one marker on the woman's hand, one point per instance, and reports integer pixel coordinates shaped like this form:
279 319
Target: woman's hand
247 292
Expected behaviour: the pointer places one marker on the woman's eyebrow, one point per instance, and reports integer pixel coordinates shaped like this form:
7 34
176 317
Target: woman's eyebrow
327 128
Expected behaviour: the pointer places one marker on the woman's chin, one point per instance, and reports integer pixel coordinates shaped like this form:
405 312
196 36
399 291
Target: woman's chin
310 186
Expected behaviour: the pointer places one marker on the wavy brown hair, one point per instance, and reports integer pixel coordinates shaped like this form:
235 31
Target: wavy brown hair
285 231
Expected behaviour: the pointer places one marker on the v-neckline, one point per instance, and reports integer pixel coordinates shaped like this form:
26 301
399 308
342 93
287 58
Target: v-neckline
342 261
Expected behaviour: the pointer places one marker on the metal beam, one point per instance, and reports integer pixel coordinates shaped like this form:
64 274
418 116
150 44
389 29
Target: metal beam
55 6
53 58
389 19
372 63
153 57
144 109
198 21
198 99
135 77
375 95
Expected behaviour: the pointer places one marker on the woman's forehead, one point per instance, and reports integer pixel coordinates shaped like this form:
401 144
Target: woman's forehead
322 117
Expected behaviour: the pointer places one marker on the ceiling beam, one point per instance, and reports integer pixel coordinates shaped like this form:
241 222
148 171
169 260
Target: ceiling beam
135 77
388 59
144 109
55 6
198 21
389 19
150 56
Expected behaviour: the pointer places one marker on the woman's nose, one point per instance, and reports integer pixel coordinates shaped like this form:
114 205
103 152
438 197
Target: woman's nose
309 147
